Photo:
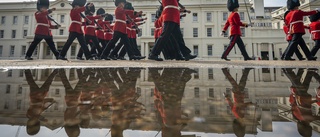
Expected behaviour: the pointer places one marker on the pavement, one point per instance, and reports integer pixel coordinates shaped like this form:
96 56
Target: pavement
43 64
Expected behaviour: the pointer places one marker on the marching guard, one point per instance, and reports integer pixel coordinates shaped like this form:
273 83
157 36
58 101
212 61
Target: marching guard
43 29
235 32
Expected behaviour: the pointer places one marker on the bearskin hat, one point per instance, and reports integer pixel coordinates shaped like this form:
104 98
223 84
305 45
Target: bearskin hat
79 2
90 10
117 2
232 4
291 4
43 3
314 17
108 18
101 11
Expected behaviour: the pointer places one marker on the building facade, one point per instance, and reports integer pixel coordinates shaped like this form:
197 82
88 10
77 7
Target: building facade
201 29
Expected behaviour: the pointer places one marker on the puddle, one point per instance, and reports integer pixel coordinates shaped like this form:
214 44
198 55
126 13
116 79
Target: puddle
155 102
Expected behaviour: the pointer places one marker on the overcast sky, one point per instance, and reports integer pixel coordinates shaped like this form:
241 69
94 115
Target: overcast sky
268 3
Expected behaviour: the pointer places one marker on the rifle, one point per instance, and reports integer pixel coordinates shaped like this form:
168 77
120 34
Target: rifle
50 18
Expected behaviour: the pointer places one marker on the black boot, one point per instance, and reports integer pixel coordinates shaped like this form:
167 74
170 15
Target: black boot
28 58
225 58
154 57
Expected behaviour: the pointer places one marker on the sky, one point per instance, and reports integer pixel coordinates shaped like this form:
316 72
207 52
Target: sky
267 3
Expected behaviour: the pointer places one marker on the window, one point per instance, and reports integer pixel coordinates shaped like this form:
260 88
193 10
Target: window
48 51
195 17
6 105
140 33
25 33
153 17
243 32
13 34
73 50
209 50
209 17
20 90
1 33
209 32
23 50
196 92
225 16
241 15
210 73
195 49
11 50
1 48
10 73
195 32
57 91
196 75
152 31
3 20
21 73
15 20
61 32
212 110
152 92
18 104
211 92
62 18
8 89
26 19
197 109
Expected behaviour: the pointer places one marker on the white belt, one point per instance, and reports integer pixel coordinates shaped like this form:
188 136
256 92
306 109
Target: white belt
90 26
43 24
315 31
78 22
171 7
122 21
109 32
295 22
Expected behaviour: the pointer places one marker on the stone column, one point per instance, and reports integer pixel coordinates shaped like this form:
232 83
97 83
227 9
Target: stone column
270 51
41 50
143 52
147 48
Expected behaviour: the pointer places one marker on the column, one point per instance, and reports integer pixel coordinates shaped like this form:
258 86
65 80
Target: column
259 50
41 50
147 48
270 51
69 51
143 52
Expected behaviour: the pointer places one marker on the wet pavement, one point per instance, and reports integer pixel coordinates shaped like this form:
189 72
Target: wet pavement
155 101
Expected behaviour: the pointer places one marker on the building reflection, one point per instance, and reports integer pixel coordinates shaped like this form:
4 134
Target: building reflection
170 101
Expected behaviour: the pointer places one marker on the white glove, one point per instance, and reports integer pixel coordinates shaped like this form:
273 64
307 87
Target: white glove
250 25
222 33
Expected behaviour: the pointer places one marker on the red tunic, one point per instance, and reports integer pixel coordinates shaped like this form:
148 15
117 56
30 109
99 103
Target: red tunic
295 20
171 11
315 30
109 34
235 23
91 28
285 30
76 20
121 18
156 30
100 32
129 26
43 24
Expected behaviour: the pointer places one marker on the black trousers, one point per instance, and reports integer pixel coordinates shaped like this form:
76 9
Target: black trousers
117 48
297 40
123 38
315 48
236 39
81 40
169 29
37 39
94 44
297 53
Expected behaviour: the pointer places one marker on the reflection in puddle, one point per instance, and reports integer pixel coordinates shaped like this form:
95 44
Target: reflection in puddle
167 102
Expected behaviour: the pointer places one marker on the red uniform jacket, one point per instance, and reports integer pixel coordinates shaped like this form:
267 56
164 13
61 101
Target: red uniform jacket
134 30
76 20
171 11
295 20
100 32
43 24
129 26
315 30
156 30
235 23
121 18
160 23
109 33
286 30
91 28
